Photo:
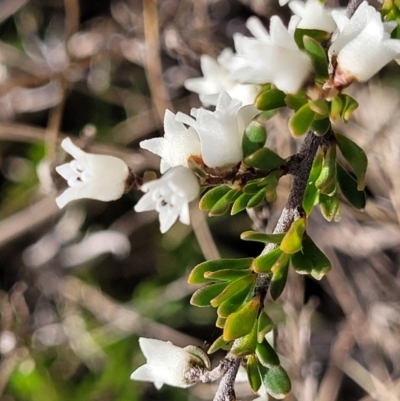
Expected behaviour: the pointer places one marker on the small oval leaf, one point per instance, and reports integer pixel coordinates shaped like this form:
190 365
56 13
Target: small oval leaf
276 381
262 237
223 204
280 271
301 121
217 345
311 194
253 374
204 295
348 186
292 241
264 326
321 264
197 274
355 156
267 355
245 345
263 264
271 100
317 55
254 138
240 323
240 203
265 159
211 197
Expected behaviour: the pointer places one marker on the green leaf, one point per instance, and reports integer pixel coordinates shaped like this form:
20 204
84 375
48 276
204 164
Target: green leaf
297 101
240 323
292 241
253 374
320 107
337 104
245 345
263 264
212 196
280 271
349 106
220 323
329 206
276 381
203 296
271 100
348 186
232 288
264 326
311 193
316 34
217 344
254 138
321 264
321 127
267 355
240 203
301 121
262 237
226 275
258 198
317 55
300 263
355 156
265 159
326 182
197 274
233 303
222 205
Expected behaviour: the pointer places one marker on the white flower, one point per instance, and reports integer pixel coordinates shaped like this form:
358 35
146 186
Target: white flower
165 364
270 57
178 144
363 45
170 196
216 77
311 15
91 176
221 132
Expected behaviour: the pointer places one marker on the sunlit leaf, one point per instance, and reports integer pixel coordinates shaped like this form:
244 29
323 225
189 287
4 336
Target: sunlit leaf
197 274
321 264
292 241
240 323
253 374
270 100
212 196
204 295
262 237
311 193
301 121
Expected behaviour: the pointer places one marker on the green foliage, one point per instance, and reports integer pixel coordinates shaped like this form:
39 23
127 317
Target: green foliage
270 100
212 196
265 325
315 34
265 159
301 120
326 181
262 237
267 355
218 344
311 193
240 203
253 374
329 205
263 264
197 274
254 138
203 296
355 156
247 344
348 186
318 56
292 241
280 271
222 205
241 322
276 381
320 263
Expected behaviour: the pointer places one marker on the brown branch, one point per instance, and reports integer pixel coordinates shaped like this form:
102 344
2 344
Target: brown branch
226 390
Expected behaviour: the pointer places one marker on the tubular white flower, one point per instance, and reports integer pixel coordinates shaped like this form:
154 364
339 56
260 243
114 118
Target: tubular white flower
178 144
100 177
363 45
216 77
165 364
170 196
270 57
311 15
221 132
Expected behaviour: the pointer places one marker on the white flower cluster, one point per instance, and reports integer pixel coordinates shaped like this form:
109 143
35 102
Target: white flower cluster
362 47
213 139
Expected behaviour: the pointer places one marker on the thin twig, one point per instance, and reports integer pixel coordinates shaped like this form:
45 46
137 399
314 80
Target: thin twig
226 390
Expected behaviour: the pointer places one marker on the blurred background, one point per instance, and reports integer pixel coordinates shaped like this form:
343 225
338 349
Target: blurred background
78 286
